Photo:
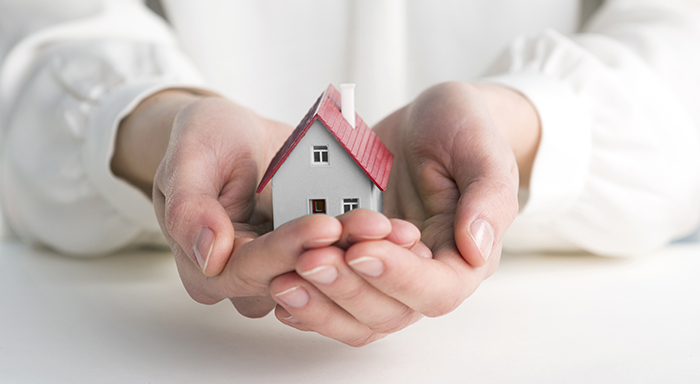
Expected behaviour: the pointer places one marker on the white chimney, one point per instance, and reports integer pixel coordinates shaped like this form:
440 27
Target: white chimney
347 103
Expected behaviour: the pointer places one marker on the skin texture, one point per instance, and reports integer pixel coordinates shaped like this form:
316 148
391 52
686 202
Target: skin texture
356 278
453 170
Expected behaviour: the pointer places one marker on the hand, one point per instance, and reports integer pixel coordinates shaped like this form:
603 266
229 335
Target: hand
327 296
460 151
456 177
209 154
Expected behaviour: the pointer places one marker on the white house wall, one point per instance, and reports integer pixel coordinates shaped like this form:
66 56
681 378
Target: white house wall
297 180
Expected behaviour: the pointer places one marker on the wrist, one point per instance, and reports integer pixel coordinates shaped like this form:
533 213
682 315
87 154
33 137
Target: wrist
517 121
143 137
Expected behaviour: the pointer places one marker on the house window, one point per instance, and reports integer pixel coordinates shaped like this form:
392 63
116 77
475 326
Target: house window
350 204
319 155
318 205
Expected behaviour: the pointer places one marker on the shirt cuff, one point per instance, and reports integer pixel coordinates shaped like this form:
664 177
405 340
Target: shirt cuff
97 154
562 162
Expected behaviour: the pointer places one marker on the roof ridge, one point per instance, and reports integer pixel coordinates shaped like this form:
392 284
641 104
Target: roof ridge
335 123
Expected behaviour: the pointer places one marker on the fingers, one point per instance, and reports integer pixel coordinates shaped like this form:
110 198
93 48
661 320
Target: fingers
463 167
207 180
302 306
486 175
432 287
488 201
253 306
326 296
484 212
403 233
363 225
406 235
258 261
374 289
194 219
327 270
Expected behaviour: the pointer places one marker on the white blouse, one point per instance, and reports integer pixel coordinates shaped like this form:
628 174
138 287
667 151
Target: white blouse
618 167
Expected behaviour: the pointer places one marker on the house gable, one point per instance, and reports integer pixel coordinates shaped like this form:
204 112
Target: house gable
299 181
361 144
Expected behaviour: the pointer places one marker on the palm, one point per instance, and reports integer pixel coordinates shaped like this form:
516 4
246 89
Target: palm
446 149
420 190
218 152
251 213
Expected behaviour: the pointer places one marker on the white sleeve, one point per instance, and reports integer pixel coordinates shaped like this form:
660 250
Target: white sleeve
618 166
63 90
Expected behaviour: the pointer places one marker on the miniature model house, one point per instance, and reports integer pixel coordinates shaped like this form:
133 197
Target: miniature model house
331 164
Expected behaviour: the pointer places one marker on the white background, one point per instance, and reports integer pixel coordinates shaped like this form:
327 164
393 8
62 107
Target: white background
539 319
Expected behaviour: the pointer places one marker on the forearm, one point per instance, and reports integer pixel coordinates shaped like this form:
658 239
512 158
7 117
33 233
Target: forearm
143 137
517 121
59 116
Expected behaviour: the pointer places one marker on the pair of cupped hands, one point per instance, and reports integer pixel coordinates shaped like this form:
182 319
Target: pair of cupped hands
452 194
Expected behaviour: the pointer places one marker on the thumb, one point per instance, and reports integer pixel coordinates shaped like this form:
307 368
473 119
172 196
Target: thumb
487 206
485 210
194 220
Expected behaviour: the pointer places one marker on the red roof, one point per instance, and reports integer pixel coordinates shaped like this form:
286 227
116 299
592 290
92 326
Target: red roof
360 143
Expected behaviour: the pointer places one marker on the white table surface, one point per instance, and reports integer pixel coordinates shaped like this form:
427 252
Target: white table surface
539 319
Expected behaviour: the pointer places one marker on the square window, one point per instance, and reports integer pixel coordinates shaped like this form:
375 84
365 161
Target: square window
350 204
318 206
319 154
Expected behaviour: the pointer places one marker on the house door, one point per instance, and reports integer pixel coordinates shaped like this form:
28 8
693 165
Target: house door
317 205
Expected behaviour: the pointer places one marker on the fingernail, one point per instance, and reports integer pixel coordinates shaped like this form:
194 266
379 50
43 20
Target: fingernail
482 234
319 242
323 275
408 245
291 319
286 316
369 266
295 297
357 239
203 245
